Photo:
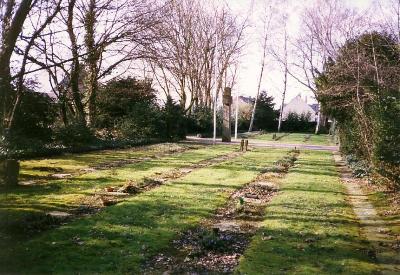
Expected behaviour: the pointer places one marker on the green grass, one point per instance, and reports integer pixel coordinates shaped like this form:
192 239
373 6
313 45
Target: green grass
23 208
119 238
313 228
17 204
295 138
71 163
388 212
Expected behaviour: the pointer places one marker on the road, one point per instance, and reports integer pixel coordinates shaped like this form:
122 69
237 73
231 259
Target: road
260 143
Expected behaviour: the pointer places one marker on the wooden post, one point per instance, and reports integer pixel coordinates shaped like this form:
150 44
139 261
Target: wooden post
246 144
241 145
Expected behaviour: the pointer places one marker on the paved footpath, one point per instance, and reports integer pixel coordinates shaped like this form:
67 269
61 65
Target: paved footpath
373 226
260 143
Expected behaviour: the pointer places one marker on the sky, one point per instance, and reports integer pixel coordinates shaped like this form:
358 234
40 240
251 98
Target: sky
250 62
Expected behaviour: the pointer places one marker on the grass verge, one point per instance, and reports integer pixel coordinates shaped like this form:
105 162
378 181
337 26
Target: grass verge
309 228
387 204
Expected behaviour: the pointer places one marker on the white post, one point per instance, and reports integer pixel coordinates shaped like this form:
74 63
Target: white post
236 114
215 116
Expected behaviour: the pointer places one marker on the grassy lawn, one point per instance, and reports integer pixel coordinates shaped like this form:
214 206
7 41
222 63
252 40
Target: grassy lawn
42 168
309 228
120 237
295 138
23 208
62 194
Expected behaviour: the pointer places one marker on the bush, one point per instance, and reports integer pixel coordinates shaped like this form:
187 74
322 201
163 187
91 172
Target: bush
75 134
33 121
298 123
201 121
129 107
367 111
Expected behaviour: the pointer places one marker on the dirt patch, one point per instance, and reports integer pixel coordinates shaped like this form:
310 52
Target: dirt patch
47 169
216 245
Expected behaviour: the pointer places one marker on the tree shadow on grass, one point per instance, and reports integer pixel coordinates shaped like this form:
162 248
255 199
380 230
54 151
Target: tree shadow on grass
290 251
115 240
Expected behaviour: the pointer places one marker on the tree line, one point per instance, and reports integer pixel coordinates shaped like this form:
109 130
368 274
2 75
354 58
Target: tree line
86 48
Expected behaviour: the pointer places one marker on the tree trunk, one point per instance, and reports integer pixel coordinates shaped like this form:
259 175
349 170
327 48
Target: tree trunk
12 27
259 80
258 93
317 127
5 95
91 61
75 72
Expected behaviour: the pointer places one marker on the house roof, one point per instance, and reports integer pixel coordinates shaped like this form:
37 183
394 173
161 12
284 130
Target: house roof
247 100
299 106
314 107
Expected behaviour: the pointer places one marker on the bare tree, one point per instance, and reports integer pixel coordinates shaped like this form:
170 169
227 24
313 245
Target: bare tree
285 75
89 43
265 36
325 28
37 28
13 16
195 49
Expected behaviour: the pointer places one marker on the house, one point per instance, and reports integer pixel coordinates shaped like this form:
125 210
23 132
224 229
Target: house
299 106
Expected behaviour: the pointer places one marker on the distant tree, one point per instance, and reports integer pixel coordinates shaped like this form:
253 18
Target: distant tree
196 50
201 120
120 97
174 119
244 116
266 116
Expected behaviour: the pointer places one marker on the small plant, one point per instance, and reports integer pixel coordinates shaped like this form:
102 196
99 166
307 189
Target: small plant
240 205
